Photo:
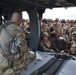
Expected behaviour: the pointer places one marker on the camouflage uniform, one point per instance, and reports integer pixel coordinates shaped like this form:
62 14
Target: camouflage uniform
73 47
71 30
20 60
44 29
56 28
73 44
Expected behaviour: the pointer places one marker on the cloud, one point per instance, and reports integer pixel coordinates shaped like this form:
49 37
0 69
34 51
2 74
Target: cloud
60 13
25 15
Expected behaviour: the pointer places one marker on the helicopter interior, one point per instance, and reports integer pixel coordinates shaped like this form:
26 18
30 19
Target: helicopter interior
35 9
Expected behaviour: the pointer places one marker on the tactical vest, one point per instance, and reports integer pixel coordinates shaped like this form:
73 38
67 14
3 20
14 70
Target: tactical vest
13 45
16 57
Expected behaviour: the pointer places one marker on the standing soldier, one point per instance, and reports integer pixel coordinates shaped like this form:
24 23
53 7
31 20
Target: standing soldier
56 26
49 22
15 55
44 26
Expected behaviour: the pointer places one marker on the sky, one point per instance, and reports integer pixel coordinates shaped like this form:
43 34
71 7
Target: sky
61 13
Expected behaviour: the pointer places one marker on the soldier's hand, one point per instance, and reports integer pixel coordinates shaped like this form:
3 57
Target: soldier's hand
63 52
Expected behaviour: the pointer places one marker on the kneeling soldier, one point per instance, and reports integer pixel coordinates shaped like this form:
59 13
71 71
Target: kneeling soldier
15 53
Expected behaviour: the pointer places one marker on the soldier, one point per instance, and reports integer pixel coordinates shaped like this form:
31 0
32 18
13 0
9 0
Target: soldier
44 27
46 44
49 22
73 44
56 26
14 60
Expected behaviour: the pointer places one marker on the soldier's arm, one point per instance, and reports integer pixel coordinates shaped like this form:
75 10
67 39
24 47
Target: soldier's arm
44 48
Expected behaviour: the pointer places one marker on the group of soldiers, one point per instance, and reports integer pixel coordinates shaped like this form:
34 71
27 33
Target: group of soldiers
15 55
57 36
